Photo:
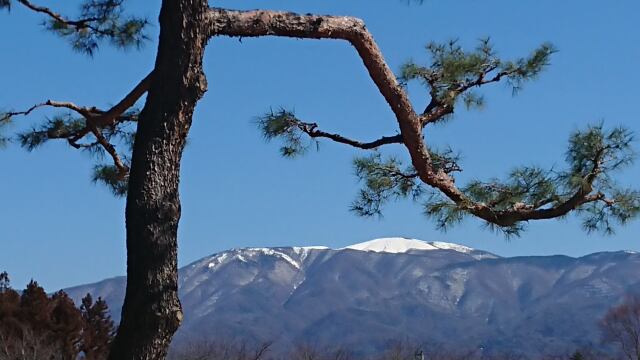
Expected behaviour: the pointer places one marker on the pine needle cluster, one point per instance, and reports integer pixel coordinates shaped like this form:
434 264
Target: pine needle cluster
454 76
85 128
454 73
98 20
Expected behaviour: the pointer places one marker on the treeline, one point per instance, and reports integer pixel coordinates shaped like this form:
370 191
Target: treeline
38 326
233 350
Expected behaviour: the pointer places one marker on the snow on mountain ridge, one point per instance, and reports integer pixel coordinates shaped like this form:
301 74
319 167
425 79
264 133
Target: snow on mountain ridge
296 258
392 245
228 255
397 245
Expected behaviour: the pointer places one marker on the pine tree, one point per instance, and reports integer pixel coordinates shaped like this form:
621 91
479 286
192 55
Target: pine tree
66 325
35 308
149 174
5 282
98 331
52 327
9 308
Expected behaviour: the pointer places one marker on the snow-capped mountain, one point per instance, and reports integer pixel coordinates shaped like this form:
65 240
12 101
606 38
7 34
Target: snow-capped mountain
365 295
396 245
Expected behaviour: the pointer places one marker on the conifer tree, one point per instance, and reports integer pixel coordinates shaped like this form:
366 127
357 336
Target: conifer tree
66 325
149 174
99 329
35 325
5 282
35 307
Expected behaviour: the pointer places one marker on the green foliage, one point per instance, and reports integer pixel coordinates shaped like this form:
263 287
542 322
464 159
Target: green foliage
386 179
108 22
444 212
4 123
596 153
596 148
383 180
284 125
98 20
446 160
59 127
110 176
621 206
453 72
68 127
525 69
526 185
593 155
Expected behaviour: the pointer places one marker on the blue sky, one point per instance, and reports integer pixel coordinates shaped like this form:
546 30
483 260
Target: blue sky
57 227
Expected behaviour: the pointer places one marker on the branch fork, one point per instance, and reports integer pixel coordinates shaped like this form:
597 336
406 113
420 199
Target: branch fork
222 22
96 120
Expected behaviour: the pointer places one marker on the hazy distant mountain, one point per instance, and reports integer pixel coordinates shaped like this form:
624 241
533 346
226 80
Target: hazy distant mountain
367 294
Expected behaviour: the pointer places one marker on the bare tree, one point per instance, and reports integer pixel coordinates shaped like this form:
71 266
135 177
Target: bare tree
30 345
621 326
152 312
222 350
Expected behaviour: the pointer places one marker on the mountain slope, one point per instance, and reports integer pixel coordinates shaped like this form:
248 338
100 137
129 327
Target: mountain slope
365 295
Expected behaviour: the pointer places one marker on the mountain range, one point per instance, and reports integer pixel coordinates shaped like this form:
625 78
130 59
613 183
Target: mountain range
367 295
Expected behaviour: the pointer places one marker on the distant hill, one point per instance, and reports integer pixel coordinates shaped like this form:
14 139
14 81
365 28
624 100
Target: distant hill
365 295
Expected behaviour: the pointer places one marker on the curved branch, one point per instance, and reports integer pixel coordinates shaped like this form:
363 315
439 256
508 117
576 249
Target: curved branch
123 170
385 140
270 23
312 130
110 116
93 115
96 120
54 15
82 111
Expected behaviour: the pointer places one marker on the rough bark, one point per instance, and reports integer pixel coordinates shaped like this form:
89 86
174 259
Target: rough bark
152 312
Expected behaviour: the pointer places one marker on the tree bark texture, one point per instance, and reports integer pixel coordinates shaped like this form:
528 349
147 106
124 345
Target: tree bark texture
152 312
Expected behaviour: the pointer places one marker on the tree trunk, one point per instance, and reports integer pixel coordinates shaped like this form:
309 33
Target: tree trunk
152 312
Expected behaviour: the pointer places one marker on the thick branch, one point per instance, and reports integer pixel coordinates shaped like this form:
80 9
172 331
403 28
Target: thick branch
265 23
269 23
582 196
110 116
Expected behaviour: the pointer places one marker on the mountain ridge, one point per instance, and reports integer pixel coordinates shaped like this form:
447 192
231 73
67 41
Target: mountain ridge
363 298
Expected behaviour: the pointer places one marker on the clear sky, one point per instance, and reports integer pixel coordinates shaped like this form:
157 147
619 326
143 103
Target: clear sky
57 227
